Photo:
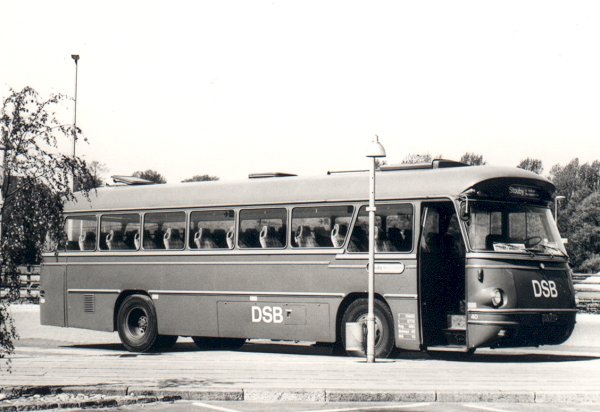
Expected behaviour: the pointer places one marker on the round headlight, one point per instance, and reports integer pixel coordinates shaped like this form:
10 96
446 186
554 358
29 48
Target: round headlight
497 297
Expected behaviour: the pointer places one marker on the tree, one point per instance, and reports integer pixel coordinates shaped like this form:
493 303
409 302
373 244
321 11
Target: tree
472 159
414 158
584 242
151 175
531 164
35 183
200 178
97 169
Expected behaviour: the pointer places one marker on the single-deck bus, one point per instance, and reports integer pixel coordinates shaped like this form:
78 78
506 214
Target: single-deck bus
466 257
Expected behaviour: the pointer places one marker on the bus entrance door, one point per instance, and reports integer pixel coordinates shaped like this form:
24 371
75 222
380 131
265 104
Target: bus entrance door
442 277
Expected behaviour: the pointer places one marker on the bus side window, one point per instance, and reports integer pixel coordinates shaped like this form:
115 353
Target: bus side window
164 230
320 226
210 229
262 228
117 232
80 233
393 229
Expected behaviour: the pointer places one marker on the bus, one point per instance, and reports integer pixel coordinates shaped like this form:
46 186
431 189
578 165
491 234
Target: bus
465 257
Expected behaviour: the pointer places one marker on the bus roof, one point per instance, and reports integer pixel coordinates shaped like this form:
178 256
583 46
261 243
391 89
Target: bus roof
393 184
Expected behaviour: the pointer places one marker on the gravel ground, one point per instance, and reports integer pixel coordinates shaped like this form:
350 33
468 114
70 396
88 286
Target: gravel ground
36 402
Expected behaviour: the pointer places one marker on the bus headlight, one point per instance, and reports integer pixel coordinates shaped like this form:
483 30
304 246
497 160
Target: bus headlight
497 297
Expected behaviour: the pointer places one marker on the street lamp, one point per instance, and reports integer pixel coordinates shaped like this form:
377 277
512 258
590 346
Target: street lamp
75 58
375 151
556 199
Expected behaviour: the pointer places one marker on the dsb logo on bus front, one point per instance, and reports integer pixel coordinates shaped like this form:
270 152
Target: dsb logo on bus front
544 288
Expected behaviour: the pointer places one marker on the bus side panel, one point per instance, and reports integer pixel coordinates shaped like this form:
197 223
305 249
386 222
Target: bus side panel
275 318
52 303
91 310
186 315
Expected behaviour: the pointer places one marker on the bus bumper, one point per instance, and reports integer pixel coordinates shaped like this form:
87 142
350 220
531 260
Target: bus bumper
520 328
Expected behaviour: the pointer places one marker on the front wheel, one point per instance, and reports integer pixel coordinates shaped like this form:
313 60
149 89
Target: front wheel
218 343
384 330
136 323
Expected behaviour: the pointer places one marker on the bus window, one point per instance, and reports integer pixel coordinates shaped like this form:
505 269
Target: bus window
118 232
318 226
393 229
80 233
164 230
262 228
212 229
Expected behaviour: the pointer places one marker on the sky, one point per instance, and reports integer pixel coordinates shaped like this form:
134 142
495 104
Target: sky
229 88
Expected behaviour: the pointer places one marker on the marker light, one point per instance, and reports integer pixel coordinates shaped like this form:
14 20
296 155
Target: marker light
497 297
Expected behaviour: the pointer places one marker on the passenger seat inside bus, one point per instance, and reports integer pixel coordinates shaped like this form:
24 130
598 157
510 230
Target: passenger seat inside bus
269 237
338 234
172 239
230 238
87 241
114 241
304 237
203 239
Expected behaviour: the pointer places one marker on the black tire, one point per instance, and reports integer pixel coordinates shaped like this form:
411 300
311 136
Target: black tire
136 323
165 341
384 329
218 343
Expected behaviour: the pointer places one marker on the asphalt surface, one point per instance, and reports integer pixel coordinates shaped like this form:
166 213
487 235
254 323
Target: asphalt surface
289 375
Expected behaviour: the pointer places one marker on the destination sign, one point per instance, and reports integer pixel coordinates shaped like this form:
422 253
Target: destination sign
525 192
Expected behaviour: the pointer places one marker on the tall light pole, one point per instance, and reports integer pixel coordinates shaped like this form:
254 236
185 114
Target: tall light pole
376 150
556 199
75 58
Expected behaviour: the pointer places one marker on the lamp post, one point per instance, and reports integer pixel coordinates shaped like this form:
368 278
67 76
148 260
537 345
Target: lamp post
376 150
75 58
556 199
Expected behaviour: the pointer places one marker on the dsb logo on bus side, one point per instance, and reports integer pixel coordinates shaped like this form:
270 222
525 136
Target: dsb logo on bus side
267 314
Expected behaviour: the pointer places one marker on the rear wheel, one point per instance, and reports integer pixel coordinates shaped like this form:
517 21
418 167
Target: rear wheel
218 343
384 330
136 323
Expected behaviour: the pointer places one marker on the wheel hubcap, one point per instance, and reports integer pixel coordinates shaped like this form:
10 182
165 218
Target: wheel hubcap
137 322
378 327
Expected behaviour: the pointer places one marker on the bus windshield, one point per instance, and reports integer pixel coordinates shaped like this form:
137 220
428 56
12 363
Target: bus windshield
513 228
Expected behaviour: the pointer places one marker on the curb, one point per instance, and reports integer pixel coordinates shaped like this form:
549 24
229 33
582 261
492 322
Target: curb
144 394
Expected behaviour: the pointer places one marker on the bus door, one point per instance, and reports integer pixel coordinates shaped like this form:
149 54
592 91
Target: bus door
442 276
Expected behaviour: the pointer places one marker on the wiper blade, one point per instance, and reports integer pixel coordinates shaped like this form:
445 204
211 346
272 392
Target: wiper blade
553 248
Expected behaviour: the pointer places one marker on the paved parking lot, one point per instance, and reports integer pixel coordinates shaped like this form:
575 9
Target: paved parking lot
86 361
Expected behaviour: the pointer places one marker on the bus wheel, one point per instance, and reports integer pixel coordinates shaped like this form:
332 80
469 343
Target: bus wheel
218 343
137 323
384 330
165 341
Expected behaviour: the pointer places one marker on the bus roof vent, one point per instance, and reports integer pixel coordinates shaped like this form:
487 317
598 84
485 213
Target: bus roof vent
435 164
131 180
269 174
333 172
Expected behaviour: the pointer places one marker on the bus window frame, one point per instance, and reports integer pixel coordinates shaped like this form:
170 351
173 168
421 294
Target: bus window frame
99 220
186 226
218 209
286 221
512 255
74 216
412 203
332 248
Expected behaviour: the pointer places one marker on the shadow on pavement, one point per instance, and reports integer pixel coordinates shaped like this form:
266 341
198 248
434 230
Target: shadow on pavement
330 350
